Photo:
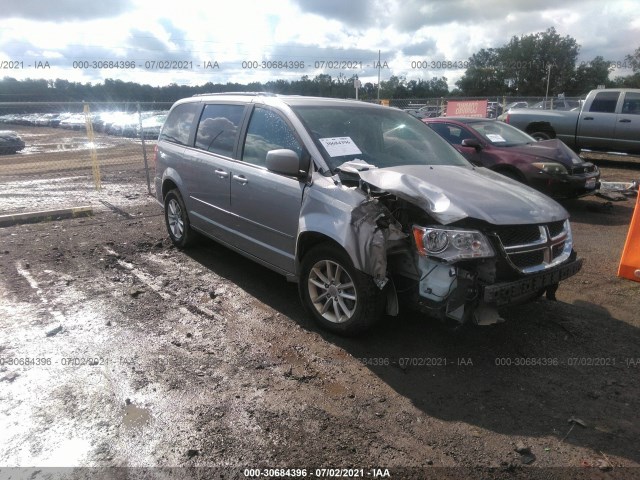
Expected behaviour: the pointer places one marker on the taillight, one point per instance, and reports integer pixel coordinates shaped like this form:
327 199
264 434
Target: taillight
507 118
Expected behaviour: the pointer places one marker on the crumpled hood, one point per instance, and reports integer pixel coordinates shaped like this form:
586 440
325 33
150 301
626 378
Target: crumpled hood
555 150
451 193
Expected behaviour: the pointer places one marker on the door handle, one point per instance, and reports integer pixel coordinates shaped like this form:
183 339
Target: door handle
588 118
625 120
221 173
241 179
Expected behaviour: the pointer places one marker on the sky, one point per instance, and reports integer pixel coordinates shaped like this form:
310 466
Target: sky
243 41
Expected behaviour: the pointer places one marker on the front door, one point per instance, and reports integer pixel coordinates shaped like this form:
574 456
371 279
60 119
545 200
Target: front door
266 205
597 125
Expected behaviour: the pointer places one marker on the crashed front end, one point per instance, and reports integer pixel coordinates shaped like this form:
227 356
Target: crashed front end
431 229
455 261
466 274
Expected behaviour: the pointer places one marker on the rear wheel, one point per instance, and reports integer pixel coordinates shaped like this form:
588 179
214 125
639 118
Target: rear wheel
340 298
177 220
540 136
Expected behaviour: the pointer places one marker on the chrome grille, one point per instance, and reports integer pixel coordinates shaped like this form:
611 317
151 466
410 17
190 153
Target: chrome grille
518 235
555 229
530 248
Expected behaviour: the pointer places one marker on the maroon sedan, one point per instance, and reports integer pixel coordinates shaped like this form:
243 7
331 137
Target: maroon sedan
549 166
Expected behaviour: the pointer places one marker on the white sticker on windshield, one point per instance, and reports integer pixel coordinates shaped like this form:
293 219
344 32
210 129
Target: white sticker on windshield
339 146
494 137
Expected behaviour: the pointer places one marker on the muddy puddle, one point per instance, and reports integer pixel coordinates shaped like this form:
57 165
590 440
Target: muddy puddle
60 192
134 417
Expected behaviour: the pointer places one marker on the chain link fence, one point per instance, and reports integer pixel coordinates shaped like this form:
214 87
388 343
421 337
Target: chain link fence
55 155
59 137
436 107
43 145
79 137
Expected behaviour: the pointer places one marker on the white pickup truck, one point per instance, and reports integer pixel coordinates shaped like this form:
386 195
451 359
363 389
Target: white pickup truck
608 120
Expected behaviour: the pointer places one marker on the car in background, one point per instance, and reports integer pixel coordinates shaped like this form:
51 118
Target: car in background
151 124
48 120
493 109
514 105
425 111
74 121
549 166
10 142
123 125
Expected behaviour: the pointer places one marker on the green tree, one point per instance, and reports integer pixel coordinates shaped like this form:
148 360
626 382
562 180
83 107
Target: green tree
634 60
591 74
523 66
630 81
484 75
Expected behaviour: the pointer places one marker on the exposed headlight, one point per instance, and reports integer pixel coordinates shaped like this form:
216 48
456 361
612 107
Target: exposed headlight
552 168
450 244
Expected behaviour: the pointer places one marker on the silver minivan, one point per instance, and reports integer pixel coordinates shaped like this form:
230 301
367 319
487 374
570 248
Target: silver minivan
363 205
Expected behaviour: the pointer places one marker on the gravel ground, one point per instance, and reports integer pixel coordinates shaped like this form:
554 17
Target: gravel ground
117 350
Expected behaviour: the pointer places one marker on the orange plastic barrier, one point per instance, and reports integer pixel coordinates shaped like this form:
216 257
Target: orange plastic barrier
630 261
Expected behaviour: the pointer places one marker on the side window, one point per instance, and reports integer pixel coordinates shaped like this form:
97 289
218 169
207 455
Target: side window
267 131
451 133
442 129
458 134
605 102
177 127
218 128
631 103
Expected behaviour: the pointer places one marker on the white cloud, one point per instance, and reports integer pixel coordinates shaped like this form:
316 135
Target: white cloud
294 30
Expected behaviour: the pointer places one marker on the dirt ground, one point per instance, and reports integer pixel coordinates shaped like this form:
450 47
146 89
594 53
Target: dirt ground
117 350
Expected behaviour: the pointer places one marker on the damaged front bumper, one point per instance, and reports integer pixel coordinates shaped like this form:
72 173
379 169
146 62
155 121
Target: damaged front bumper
504 293
458 295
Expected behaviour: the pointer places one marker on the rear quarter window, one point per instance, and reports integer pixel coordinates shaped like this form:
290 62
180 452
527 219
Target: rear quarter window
177 127
631 103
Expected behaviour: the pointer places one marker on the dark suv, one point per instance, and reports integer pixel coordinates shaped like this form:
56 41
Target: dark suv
360 204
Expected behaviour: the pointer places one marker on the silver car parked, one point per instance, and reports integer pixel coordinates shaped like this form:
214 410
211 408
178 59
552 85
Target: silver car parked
363 205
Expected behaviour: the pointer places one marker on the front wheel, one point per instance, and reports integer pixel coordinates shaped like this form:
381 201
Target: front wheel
177 220
340 298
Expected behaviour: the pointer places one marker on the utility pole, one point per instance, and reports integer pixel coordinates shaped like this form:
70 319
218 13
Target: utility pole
378 76
548 78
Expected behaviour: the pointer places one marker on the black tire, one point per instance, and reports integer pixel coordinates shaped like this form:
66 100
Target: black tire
353 302
540 136
177 220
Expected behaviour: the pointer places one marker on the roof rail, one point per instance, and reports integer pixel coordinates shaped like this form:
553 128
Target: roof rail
248 94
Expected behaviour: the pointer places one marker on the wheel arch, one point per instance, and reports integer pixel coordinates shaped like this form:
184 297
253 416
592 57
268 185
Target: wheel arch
541 127
171 180
308 240
509 171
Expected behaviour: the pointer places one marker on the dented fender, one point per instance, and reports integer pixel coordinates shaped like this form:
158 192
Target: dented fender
347 216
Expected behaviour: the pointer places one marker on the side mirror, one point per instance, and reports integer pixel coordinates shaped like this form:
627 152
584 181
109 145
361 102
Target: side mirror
286 162
471 142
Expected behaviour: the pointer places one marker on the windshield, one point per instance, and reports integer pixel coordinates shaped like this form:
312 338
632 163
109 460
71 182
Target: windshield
501 134
382 137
